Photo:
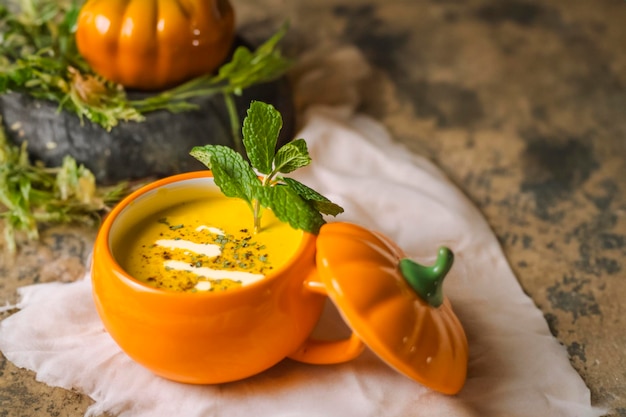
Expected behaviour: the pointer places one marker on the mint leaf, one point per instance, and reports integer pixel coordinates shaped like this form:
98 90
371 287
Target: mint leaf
318 201
260 134
231 185
289 207
291 201
203 154
291 156
231 172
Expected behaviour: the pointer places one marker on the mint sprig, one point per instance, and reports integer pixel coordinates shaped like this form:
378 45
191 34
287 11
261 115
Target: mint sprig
261 183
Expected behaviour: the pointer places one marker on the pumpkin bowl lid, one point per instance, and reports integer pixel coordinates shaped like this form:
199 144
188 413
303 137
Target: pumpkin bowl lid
369 279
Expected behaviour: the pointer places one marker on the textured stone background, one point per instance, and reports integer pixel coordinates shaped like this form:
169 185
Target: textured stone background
522 103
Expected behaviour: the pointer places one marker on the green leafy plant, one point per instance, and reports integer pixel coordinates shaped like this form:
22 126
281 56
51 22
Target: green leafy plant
260 182
38 56
32 194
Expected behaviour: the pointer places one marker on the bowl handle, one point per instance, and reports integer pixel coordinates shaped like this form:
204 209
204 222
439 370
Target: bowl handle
326 352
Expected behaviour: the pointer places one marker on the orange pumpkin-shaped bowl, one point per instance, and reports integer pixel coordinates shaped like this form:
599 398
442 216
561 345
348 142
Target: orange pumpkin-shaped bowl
205 337
392 304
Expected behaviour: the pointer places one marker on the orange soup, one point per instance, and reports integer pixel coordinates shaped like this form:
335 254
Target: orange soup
206 245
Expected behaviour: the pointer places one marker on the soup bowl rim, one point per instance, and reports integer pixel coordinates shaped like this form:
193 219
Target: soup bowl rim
104 254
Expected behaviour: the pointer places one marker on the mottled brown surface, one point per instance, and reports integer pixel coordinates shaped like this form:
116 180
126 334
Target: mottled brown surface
61 255
522 103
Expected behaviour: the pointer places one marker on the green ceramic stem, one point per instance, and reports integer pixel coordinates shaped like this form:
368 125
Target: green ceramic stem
427 281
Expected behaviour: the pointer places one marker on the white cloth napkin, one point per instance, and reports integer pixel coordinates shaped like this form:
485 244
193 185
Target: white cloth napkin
516 367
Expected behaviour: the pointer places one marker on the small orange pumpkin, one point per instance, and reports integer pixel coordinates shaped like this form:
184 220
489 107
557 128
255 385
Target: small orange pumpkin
153 44
394 305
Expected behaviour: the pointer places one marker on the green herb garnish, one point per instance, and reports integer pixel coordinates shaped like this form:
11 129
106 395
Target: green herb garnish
31 194
261 183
